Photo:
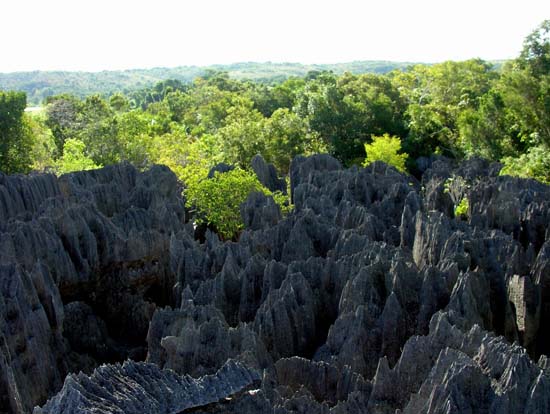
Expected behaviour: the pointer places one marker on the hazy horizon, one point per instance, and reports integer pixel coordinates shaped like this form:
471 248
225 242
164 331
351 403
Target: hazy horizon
219 64
60 35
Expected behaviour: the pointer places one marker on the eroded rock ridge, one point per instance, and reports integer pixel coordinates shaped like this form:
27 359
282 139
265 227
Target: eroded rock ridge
369 297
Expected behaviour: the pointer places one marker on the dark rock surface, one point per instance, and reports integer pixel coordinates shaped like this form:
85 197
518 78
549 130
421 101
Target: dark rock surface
259 211
220 168
369 297
267 174
84 264
121 389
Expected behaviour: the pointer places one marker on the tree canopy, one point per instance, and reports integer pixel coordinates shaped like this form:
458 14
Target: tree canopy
15 137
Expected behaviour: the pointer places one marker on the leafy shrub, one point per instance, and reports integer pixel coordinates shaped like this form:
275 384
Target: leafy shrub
385 148
533 164
456 187
218 199
282 200
461 209
74 158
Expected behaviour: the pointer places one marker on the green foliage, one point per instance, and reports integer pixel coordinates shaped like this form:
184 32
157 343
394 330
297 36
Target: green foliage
43 148
74 158
535 163
436 97
385 148
278 138
345 111
282 200
15 136
287 135
535 54
119 103
489 131
133 133
461 209
97 131
242 136
268 98
218 200
62 114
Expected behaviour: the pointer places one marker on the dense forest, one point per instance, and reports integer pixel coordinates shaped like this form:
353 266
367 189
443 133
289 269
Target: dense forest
39 85
454 109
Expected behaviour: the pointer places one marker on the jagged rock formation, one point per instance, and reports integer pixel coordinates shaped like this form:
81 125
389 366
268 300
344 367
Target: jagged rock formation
369 297
84 265
267 174
121 389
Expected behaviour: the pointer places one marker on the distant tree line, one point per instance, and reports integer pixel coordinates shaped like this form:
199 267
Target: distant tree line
40 85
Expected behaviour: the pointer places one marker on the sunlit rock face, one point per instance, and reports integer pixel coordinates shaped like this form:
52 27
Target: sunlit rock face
369 297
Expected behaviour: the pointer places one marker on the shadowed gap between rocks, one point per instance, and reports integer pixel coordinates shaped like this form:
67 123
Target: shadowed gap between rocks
122 307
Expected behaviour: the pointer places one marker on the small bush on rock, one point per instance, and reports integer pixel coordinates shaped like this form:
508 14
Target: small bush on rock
461 209
385 148
217 200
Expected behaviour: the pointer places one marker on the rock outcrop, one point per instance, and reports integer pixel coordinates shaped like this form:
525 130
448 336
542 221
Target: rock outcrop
85 263
267 174
122 389
370 296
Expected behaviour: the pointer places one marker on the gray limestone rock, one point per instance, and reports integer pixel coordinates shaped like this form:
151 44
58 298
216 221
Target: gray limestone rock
267 174
259 211
144 388
76 250
220 168
370 296
196 340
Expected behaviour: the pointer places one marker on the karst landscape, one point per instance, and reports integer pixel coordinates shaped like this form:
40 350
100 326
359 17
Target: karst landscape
363 237
368 297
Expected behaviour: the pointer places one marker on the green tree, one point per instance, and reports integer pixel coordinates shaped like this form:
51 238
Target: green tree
218 199
535 163
243 136
535 54
62 113
268 98
346 111
119 102
43 148
528 100
134 136
97 130
208 107
436 97
177 104
15 137
526 83
385 148
74 158
526 93
288 135
490 131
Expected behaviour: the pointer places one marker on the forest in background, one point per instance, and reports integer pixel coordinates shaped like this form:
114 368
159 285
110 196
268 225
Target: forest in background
455 109
39 85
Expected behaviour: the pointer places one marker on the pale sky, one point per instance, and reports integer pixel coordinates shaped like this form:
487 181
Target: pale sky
123 34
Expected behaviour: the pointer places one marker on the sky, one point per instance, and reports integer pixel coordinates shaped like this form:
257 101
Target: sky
95 35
